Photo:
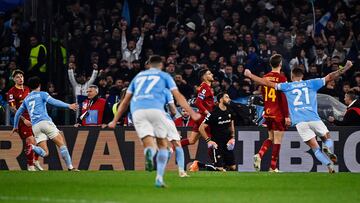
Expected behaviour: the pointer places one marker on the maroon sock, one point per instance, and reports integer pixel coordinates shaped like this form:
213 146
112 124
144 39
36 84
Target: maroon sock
275 155
185 142
29 156
265 146
36 156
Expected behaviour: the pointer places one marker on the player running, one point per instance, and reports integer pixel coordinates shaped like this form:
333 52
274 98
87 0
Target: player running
173 134
42 125
147 100
302 101
204 102
276 115
15 97
223 137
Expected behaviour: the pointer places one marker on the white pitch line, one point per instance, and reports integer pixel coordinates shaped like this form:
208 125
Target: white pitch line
48 199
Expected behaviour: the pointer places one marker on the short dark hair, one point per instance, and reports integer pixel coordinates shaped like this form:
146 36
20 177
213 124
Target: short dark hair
297 72
155 59
352 95
275 60
17 71
220 95
34 82
201 73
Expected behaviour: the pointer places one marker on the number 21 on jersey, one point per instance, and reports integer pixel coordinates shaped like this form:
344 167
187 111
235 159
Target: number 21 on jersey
298 99
270 94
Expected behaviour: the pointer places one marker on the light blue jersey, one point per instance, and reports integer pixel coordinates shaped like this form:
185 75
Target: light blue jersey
35 103
302 100
147 89
169 100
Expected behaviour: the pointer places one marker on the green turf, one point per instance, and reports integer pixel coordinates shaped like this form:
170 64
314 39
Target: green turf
131 186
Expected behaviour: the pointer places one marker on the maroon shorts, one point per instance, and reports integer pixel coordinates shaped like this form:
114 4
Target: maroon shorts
275 124
197 125
24 131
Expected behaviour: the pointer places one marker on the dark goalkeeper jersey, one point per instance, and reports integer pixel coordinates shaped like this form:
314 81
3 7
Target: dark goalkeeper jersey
220 124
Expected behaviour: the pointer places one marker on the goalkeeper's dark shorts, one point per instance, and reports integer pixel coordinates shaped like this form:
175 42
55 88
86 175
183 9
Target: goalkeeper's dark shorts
221 156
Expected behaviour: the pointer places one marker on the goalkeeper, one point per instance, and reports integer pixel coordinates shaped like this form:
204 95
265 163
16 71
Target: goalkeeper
222 141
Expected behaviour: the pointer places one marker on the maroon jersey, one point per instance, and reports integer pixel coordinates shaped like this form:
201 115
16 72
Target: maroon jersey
15 98
275 104
205 98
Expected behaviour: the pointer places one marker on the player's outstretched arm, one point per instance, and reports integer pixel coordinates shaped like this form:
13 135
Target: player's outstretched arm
183 103
19 112
61 104
333 75
122 108
259 80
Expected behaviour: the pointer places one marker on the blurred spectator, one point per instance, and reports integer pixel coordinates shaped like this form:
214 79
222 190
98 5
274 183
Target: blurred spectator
329 89
300 59
81 84
130 50
2 100
184 120
53 111
103 87
352 115
37 57
184 88
94 110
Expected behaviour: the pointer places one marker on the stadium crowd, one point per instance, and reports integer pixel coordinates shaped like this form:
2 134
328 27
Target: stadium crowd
111 41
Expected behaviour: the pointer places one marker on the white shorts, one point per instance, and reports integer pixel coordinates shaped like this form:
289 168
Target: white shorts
151 122
308 130
173 133
44 130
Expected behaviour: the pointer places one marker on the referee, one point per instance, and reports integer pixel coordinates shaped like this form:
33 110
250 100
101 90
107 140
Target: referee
222 141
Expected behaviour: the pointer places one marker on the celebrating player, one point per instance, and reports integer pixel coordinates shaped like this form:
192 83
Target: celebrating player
302 101
173 134
276 115
42 125
146 93
222 140
15 97
204 102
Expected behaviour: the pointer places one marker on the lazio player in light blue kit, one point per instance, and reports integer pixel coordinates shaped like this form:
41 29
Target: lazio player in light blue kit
173 135
147 100
302 102
42 125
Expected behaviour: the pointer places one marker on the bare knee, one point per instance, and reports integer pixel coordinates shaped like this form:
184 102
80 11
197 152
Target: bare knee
176 143
162 143
325 137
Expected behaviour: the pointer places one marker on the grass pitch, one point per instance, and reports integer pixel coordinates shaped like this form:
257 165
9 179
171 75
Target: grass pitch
135 186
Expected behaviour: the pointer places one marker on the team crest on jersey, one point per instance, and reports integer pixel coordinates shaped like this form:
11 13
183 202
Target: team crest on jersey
85 105
229 115
11 96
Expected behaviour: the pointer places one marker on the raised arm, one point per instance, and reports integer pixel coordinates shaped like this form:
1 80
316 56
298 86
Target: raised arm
333 75
261 81
123 39
93 75
72 77
139 43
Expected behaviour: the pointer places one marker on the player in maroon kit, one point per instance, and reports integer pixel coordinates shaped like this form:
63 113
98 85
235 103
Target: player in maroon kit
15 97
276 114
204 102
